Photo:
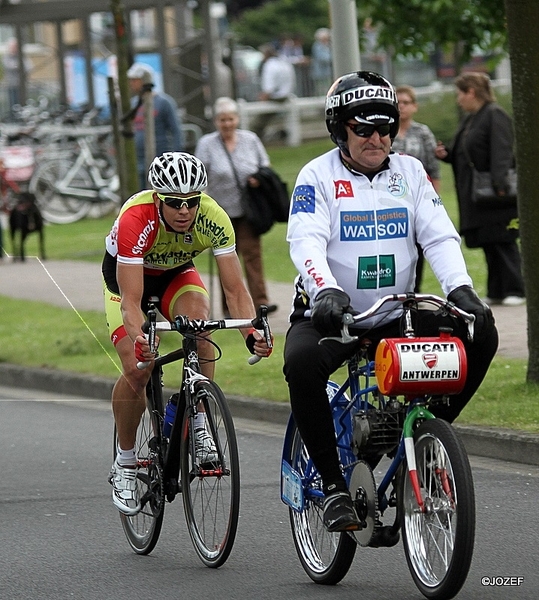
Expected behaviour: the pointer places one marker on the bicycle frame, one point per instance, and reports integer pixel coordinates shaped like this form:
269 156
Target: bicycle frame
85 160
191 377
343 410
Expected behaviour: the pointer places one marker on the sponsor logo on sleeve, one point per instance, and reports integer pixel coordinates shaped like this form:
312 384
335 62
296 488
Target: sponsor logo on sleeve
312 272
303 199
139 247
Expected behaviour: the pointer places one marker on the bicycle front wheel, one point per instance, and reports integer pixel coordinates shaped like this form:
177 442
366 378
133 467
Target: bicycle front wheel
142 530
439 540
55 206
326 557
211 489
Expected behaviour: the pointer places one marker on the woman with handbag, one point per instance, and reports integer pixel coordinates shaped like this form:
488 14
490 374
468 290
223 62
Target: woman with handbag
231 156
484 143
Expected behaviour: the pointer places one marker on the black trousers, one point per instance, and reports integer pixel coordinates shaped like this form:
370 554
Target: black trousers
504 274
308 366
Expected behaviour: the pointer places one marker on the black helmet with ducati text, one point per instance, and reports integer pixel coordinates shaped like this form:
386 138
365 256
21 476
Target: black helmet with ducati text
364 96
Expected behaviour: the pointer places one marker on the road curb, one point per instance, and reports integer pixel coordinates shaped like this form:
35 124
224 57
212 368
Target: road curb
503 444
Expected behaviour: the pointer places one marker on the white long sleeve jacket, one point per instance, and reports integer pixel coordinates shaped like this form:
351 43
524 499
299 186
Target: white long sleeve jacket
348 232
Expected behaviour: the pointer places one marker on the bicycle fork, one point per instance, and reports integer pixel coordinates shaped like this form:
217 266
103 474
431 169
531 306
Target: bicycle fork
417 412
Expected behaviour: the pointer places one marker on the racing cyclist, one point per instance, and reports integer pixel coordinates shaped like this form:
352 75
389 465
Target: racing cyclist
150 252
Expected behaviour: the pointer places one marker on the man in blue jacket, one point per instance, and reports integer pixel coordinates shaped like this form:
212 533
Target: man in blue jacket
168 135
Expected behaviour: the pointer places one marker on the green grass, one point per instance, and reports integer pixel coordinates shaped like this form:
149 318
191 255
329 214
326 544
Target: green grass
60 339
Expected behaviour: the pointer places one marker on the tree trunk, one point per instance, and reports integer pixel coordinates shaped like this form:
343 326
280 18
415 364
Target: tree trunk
122 57
522 19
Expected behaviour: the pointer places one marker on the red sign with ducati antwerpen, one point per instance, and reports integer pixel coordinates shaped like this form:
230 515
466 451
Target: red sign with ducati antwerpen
423 365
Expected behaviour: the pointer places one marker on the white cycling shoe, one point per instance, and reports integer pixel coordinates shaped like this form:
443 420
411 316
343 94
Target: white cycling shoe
206 452
124 489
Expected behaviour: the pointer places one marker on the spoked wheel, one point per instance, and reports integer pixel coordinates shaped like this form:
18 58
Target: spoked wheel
57 207
211 489
326 557
438 541
142 530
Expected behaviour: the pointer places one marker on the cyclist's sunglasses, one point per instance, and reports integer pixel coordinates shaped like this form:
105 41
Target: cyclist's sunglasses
365 131
178 203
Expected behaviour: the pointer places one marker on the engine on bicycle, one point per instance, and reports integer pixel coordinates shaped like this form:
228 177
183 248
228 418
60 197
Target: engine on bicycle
377 431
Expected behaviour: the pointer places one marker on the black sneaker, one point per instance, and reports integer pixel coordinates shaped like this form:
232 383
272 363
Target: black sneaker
339 513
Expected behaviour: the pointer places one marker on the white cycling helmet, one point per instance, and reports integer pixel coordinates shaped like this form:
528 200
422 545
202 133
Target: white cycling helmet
177 173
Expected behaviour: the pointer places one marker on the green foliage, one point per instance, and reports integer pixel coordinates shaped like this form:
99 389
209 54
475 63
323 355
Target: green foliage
271 20
415 27
411 28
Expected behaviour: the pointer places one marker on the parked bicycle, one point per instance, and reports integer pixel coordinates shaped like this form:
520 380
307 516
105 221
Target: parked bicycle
68 185
427 481
168 464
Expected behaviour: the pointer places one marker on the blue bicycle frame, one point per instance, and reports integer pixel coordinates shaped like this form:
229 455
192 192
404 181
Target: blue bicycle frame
295 491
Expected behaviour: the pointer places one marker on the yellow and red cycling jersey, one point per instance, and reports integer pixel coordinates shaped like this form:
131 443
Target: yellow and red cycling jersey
140 236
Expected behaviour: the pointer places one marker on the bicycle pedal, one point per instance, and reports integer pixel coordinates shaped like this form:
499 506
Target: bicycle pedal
384 537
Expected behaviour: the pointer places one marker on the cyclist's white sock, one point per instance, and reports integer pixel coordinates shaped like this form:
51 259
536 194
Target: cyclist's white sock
200 420
126 458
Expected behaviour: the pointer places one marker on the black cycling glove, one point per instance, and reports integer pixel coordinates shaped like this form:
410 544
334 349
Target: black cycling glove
328 309
465 297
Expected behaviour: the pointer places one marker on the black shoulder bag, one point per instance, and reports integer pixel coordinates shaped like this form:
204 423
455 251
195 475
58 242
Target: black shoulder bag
257 211
484 195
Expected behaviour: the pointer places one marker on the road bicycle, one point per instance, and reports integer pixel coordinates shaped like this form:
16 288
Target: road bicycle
424 476
167 466
68 186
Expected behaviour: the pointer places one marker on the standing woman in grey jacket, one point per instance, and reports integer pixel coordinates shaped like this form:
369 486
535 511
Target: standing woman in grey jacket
232 156
484 139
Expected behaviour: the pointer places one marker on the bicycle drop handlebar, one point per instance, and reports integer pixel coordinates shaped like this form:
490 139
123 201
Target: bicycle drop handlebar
183 325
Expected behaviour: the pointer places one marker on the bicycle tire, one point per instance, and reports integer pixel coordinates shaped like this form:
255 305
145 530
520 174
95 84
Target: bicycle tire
54 206
326 557
211 493
438 544
143 529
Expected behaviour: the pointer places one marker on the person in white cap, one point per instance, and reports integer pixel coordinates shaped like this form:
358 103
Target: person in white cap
168 135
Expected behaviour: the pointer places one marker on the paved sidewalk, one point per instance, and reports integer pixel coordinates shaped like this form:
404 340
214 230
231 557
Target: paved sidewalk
77 284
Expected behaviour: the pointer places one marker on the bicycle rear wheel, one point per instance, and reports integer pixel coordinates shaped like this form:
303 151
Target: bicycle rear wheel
326 557
211 491
57 207
142 530
438 543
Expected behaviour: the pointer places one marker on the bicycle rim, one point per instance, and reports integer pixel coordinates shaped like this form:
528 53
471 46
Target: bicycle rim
211 492
438 542
54 206
142 530
326 557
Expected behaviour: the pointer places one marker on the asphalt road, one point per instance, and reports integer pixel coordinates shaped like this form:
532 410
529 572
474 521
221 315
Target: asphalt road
61 538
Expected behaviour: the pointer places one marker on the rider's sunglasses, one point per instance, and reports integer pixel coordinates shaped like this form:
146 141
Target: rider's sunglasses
179 203
365 131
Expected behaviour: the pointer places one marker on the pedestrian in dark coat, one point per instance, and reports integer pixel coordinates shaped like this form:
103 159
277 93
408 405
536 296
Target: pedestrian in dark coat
484 139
